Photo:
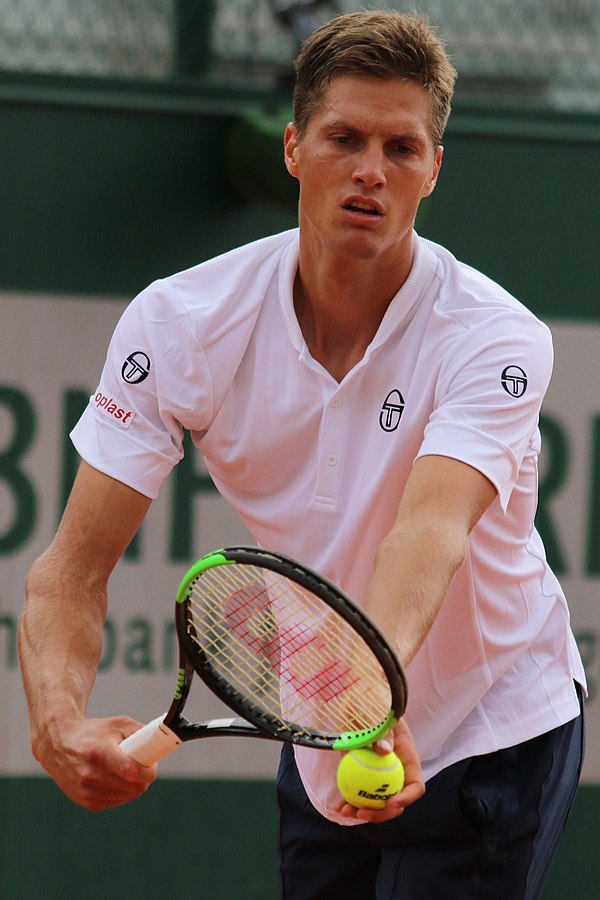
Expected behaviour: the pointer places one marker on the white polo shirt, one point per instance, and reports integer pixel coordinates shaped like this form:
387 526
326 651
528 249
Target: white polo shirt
316 469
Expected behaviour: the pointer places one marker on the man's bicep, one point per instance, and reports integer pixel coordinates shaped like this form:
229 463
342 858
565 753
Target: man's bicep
446 489
100 519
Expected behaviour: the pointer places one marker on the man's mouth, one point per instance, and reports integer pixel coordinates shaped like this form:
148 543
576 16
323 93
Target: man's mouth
362 208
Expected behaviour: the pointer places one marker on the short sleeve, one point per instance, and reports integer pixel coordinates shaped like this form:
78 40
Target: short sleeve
155 383
489 394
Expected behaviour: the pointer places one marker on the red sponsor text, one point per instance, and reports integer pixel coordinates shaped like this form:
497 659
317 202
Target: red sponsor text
107 405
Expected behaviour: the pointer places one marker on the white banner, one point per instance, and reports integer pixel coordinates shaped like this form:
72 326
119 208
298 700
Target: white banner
51 353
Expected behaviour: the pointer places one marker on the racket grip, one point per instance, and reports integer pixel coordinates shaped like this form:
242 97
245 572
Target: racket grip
150 743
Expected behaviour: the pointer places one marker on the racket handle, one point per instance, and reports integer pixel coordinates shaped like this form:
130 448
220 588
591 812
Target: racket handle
150 743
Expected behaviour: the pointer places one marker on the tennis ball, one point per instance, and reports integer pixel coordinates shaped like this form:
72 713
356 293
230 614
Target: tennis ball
365 778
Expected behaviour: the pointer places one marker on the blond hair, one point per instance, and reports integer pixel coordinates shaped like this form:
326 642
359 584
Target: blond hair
381 44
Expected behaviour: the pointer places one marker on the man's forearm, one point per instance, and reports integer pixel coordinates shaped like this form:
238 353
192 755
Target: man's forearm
413 571
60 641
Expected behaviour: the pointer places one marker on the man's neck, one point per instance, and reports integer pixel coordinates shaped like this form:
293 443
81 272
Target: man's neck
340 309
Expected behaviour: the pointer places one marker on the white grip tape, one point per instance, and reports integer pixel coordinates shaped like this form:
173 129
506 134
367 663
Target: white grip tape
150 743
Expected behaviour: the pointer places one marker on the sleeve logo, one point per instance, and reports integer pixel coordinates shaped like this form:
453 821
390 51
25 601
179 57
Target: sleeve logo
514 381
136 368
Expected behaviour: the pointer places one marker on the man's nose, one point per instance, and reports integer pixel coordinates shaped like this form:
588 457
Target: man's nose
370 167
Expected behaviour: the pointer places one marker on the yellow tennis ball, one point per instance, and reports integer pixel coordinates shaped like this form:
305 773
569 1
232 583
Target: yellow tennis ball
365 778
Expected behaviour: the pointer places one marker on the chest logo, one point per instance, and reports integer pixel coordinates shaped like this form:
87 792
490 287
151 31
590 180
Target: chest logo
514 381
391 411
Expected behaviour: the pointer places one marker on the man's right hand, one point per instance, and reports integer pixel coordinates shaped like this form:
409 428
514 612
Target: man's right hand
85 761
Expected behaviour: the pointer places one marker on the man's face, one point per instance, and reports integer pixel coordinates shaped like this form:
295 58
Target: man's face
364 163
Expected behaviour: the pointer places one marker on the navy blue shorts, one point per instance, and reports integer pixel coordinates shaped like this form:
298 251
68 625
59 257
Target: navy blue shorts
487 827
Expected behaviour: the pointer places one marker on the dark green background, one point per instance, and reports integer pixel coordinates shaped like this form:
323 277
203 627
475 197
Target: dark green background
198 839
104 187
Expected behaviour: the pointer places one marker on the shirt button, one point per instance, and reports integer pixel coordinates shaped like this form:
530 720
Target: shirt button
331 460
336 401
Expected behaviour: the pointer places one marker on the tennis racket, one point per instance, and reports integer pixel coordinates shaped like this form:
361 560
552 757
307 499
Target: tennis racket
285 649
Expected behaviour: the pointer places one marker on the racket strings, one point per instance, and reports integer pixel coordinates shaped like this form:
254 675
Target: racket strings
282 649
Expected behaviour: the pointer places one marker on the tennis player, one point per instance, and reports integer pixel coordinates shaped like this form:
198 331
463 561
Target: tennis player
369 405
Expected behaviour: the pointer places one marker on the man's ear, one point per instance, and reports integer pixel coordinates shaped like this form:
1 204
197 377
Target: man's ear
429 187
290 149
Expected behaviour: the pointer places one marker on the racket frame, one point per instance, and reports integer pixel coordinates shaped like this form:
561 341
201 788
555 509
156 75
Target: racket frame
260 726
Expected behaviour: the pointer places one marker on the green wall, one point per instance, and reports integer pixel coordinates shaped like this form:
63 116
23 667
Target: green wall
519 198
220 834
216 836
105 187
